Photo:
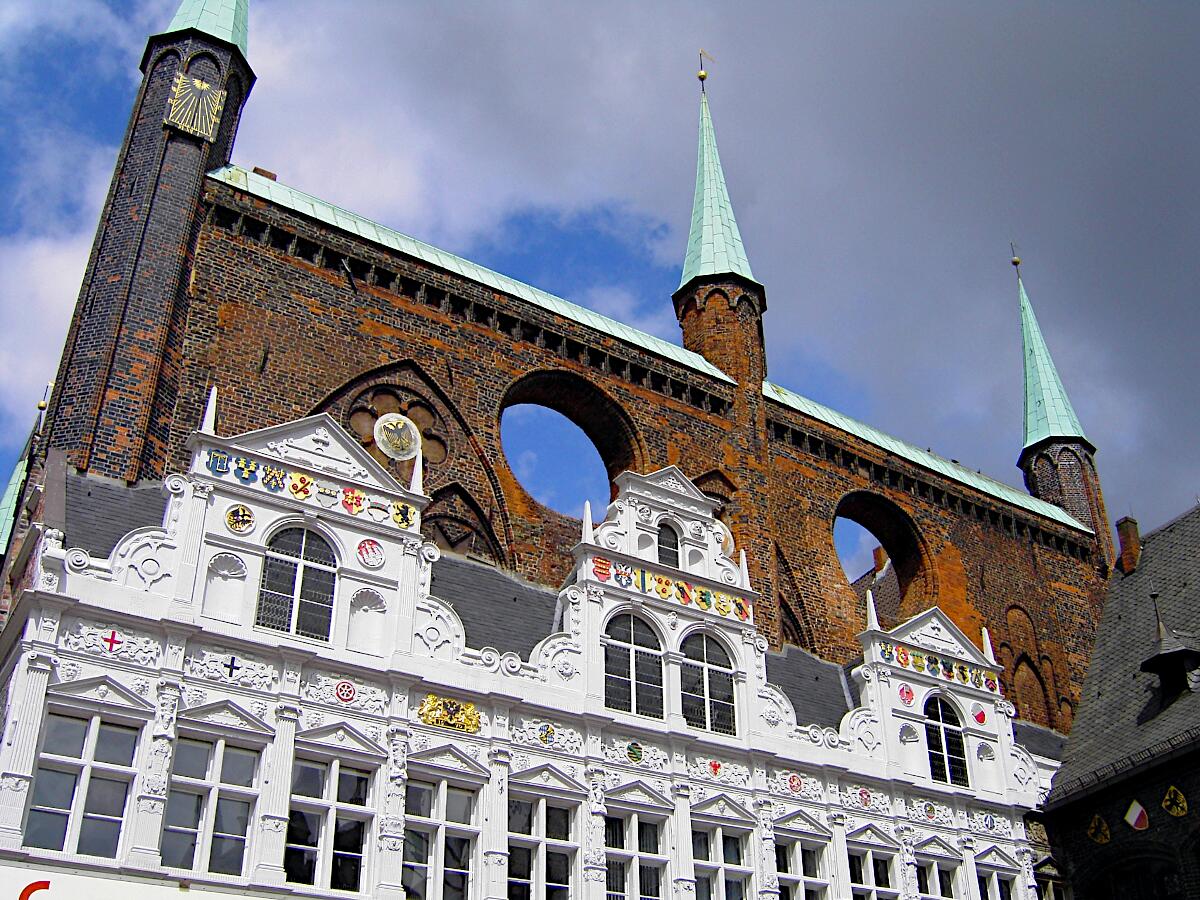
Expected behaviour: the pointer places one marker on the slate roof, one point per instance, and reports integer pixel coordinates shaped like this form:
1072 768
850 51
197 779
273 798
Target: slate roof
100 512
498 609
1120 725
1039 740
818 689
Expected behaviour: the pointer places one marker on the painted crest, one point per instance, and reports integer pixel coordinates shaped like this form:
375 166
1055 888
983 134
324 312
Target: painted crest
906 694
377 509
623 575
978 713
633 752
1098 830
1136 817
864 797
370 553
327 494
301 486
345 691
218 462
273 478
602 568
404 515
795 783
397 436
714 767
239 518
353 500
246 470
1174 802
545 733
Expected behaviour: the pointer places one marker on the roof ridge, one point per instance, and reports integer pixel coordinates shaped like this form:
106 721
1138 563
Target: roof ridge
1170 523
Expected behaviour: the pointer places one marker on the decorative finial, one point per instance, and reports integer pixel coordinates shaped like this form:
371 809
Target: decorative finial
1016 260
588 536
702 74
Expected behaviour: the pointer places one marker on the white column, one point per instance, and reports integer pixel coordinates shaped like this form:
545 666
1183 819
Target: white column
151 784
970 875
684 865
275 799
390 868
839 867
1027 889
19 754
494 833
764 866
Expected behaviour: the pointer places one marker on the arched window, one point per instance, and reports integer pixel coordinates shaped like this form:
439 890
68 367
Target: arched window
947 753
633 675
668 546
706 685
296 594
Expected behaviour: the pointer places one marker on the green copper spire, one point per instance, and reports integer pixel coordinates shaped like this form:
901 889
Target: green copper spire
1048 412
714 243
225 20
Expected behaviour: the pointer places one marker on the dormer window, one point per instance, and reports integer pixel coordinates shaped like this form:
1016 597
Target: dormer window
947 752
298 581
706 685
633 676
668 547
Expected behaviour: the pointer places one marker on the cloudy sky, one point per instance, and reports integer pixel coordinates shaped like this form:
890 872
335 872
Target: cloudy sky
880 157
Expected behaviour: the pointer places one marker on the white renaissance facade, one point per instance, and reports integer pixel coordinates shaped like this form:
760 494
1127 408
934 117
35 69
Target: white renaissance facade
263 696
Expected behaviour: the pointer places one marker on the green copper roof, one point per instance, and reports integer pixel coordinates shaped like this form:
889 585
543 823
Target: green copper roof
1048 412
916 455
308 205
8 504
714 242
225 20
311 207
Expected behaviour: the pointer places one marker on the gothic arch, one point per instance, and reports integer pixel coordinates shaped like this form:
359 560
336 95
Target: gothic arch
455 522
606 424
899 537
1029 693
796 622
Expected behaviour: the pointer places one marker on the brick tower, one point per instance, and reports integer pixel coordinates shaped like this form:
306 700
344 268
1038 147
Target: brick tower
119 375
720 307
1058 460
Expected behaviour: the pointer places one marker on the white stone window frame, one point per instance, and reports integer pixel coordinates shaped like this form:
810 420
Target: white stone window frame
437 828
796 840
868 888
676 528
265 553
85 766
932 866
736 676
716 867
661 653
996 879
330 808
632 857
960 729
213 789
540 843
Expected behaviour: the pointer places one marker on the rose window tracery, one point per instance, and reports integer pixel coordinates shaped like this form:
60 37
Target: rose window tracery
366 409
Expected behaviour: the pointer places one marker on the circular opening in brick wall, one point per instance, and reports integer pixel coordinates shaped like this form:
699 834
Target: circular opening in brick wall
880 550
554 460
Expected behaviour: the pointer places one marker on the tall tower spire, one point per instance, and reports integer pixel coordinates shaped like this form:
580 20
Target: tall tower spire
1057 458
225 20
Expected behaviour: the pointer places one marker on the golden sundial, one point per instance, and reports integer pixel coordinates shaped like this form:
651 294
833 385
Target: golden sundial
397 436
195 106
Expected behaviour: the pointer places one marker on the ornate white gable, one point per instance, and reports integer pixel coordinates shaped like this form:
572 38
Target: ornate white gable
996 858
226 714
723 806
934 631
872 834
935 846
449 757
341 736
638 793
100 689
547 777
669 486
802 822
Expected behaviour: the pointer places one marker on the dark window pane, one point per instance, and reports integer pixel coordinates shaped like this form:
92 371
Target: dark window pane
648 668
352 786
191 758
648 837
239 766
703 887
308 779
856 868
304 828
783 858
115 744
723 718
946 882
668 547
346 872
614 832
616 661
700 845
614 876
45 830
650 701
413 881
53 788
691 679
178 849
458 805
883 871
520 816
643 634
183 810
99 837
720 686
313 620
558 823
520 862
349 835
317 549
65 735
226 855
694 711
418 799
458 852
731 849
649 881
300 865
716 654
416 846
454 886
809 862
621 629
106 797
923 879
279 576
519 891
617 693
558 868
288 541
735 889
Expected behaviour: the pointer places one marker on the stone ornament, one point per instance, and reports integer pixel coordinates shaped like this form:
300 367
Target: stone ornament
446 712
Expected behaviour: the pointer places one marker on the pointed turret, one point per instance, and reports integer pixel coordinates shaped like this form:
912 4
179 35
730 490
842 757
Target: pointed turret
714 242
1057 458
1048 412
225 20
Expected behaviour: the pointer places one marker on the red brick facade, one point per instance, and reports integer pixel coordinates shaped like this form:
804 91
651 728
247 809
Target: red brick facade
287 316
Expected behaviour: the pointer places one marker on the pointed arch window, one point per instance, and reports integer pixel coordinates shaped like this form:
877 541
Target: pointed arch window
947 751
668 546
633 674
706 685
298 582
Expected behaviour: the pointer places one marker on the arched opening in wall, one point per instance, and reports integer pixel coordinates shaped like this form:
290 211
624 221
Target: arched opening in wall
880 550
565 441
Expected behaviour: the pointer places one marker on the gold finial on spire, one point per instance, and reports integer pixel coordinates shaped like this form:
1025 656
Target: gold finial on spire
1016 260
702 74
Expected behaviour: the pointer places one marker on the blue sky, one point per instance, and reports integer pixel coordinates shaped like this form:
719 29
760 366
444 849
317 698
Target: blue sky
880 157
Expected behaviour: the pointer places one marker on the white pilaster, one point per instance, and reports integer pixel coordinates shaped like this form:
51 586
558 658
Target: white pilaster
19 753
